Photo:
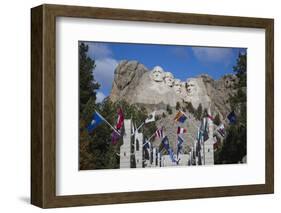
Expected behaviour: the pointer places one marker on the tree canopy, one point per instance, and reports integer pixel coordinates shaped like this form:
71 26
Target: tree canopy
234 147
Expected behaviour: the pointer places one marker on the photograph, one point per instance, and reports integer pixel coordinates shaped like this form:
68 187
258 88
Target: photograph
143 97
152 105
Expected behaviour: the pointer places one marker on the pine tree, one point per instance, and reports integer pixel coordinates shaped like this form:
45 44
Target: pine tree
241 69
87 83
198 113
190 107
169 109
217 120
234 147
87 98
178 105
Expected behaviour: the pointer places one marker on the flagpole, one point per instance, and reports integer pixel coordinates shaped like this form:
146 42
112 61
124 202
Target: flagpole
108 123
151 136
144 143
141 125
138 128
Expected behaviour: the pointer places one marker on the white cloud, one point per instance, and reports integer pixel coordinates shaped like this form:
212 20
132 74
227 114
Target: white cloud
98 50
100 96
105 66
213 54
104 72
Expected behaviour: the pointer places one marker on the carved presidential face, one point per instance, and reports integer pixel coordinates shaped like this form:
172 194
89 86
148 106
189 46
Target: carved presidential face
177 86
157 74
191 86
169 79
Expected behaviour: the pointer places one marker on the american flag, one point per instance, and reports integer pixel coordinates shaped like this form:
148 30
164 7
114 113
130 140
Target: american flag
159 133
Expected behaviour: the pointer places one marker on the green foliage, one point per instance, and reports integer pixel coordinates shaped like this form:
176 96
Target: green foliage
101 153
198 112
241 69
157 117
234 147
96 150
87 84
169 109
178 105
190 108
163 115
205 113
217 120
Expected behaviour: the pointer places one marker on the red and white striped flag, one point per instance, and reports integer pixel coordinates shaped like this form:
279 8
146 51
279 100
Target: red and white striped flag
159 133
181 130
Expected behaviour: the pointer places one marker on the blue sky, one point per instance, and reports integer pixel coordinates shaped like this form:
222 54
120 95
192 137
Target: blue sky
183 61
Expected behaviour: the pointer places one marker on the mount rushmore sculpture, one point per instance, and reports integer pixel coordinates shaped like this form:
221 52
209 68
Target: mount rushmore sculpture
136 84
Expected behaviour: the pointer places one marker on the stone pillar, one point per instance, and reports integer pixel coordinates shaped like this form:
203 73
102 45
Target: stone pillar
154 157
138 149
209 152
209 144
125 148
159 159
210 125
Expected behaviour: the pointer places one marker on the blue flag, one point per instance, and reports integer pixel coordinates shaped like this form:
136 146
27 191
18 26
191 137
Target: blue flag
165 143
179 145
172 156
146 145
180 117
232 118
95 121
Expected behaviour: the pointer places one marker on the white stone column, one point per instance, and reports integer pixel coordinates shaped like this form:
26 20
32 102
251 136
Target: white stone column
159 158
125 148
138 149
209 144
210 125
154 157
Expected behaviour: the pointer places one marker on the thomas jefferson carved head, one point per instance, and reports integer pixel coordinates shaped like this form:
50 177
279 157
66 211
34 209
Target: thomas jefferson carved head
169 79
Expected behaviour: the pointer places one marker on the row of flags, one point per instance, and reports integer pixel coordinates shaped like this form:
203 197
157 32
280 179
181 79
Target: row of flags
98 119
160 132
165 142
181 117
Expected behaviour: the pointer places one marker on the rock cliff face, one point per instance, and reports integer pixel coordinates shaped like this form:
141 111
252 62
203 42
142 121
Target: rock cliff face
134 83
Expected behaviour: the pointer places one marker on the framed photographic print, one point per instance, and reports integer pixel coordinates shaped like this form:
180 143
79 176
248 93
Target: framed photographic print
137 106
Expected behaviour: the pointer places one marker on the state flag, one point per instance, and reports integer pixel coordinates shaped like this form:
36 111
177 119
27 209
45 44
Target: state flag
232 118
120 119
95 121
221 130
165 143
180 117
147 145
172 155
179 144
114 137
151 118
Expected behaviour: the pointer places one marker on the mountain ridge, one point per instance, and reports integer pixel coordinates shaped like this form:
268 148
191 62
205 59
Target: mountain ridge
136 84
